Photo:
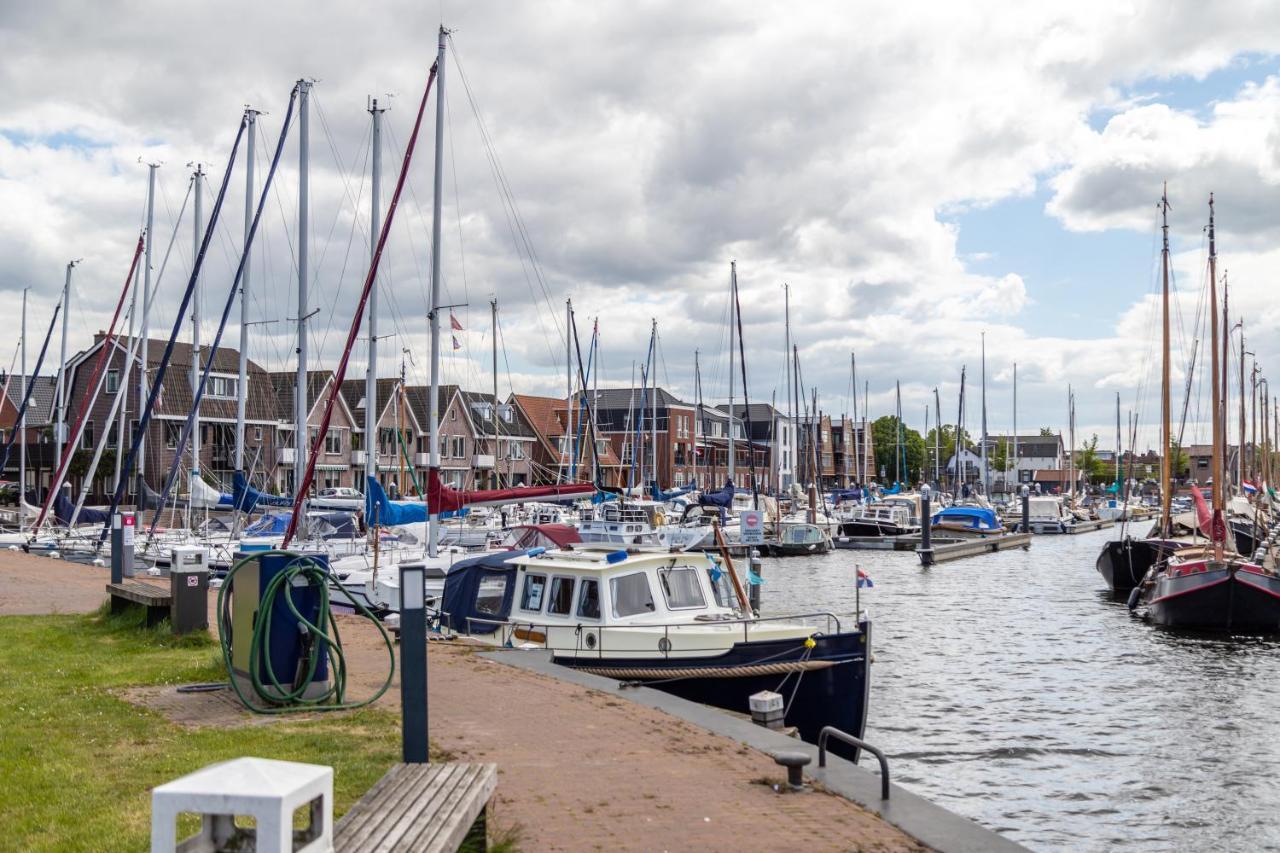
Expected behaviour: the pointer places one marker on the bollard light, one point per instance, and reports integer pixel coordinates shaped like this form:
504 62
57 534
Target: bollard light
413 664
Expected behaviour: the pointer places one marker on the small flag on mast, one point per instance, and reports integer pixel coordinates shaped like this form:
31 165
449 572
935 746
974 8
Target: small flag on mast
456 345
864 579
453 322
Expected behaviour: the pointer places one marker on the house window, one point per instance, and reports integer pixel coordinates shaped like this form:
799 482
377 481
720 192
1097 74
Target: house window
459 447
113 434
333 442
560 602
86 437
444 446
516 448
172 432
453 414
589 599
257 433
113 381
531 597
631 594
222 387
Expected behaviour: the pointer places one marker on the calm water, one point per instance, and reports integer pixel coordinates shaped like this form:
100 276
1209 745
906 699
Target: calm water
1010 689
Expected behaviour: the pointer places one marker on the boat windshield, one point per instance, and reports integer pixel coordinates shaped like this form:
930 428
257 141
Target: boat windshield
680 586
631 594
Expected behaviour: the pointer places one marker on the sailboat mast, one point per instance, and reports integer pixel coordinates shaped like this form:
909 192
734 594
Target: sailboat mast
897 454
653 401
60 393
851 438
568 390
1216 463
1071 445
1015 419
433 435
197 179
144 323
786 368
300 383
122 397
937 438
371 324
1118 442
1240 466
1166 426
22 424
493 331
986 470
242 382
733 287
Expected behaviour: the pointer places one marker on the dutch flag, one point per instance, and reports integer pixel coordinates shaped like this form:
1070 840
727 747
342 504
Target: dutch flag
1249 488
864 580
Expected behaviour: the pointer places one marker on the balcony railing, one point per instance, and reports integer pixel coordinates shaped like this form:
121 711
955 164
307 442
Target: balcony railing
284 455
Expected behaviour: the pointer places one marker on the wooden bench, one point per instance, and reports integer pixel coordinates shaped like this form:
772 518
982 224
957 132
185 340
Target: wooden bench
156 600
419 807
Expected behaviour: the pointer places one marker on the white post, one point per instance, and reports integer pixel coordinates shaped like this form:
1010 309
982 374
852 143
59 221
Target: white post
242 382
371 372
433 435
197 223
300 389
60 393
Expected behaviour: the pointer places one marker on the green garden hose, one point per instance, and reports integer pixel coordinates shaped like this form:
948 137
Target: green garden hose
289 696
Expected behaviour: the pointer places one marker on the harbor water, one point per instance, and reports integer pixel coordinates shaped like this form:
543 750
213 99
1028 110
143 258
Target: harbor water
1011 689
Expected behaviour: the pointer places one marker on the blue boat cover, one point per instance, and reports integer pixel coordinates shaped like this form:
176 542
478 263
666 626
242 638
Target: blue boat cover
247 498
897 487
838 495
389 513
973 517
63 509
722 498
659 495
479 588
271 524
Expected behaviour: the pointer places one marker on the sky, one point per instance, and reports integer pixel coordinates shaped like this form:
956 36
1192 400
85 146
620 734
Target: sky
924 178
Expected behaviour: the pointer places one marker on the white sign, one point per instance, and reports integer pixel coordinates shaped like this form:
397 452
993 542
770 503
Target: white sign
129 523
751 527
193 580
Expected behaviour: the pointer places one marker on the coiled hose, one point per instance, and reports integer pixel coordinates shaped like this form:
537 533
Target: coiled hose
322 637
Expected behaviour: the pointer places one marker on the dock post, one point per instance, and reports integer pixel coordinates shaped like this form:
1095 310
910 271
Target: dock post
926 527
122 528
753 589
413 664
1026 509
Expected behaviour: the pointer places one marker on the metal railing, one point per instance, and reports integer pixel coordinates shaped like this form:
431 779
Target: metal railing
859 743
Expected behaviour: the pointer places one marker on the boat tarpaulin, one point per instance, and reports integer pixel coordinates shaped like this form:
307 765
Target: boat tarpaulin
247 498
388 513
670 494
478 592
63 509
722 498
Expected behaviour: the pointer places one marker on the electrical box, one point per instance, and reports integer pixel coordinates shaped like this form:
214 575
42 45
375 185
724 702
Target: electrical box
189 589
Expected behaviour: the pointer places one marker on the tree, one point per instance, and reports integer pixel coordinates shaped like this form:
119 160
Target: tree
948 441
1001 460
1179 462
1089 464
884 434
1045 432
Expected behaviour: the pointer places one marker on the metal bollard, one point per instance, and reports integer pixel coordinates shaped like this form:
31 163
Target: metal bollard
413 664
1026 509
123 525
753 590
926 527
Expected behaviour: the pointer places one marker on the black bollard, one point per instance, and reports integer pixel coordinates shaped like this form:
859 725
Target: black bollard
413 664
926 529
123 525
753 590
1026 510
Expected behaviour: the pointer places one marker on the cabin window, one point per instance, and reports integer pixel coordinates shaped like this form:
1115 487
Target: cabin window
561 600
681 588
531 598
631 594
722 590
490 595
589 599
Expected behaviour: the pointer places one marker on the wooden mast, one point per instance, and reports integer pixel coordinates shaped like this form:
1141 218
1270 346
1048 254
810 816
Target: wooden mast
1166 484
1216 465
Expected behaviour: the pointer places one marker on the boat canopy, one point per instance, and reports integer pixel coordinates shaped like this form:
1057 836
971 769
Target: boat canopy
974 517
480 588
271 524
525 536
246 498
839 495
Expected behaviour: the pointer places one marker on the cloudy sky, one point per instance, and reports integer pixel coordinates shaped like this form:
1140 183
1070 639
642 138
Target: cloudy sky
918 173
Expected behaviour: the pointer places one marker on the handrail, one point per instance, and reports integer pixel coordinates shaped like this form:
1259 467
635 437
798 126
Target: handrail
744 621
832 731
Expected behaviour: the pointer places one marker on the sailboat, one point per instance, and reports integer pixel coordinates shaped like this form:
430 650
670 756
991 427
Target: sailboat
1208 586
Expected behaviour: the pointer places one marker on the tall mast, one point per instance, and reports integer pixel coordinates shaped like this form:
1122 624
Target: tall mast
653 402
197 221
242 382
733 289
433 435
143 326
304 186
371 369
1226 388
867 461
850 437
568 393
1166 427
493 323
60 393
1240 467
1216 463
122 399
986 471
1071 444
698 428
22 423
786 368
897 455
937 439
1118 445
1015 419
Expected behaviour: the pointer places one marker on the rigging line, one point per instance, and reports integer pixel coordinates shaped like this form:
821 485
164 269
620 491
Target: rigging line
506 193
457 204
389 127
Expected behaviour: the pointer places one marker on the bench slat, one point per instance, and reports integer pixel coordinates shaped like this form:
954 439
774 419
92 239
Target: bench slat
140 593
418 807
449 834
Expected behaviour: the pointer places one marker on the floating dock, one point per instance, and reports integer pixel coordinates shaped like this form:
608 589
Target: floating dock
956 549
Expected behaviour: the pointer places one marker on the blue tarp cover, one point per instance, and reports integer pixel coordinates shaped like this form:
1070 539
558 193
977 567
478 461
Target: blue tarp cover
63 508
659 495
481 588
247 498
722 498
975 517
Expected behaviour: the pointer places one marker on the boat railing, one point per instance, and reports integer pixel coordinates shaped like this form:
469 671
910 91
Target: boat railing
858 743
589 637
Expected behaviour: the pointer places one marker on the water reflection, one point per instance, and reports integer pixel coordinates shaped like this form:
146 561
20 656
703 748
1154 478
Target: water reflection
1011 688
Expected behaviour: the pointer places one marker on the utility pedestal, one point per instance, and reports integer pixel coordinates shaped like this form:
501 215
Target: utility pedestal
123 525
189 589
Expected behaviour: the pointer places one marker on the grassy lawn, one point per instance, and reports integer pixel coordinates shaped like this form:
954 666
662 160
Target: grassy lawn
77 764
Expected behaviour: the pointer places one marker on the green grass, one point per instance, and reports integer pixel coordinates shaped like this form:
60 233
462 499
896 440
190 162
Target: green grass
77 764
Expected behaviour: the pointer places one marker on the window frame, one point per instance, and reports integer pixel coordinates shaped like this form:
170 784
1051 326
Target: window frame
664 572
526 588
613 596
572 580
582 589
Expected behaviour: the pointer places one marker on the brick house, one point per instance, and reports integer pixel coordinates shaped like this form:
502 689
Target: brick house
549 451
333 464
40 452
